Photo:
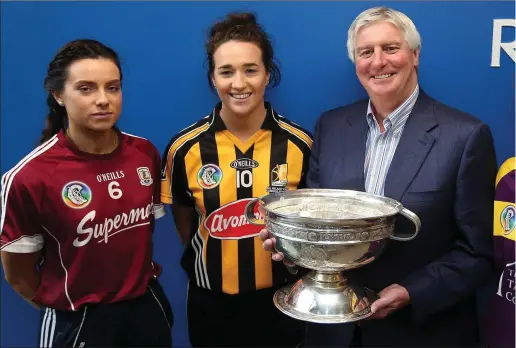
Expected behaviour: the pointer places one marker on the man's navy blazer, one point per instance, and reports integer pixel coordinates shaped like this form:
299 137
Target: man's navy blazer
443 170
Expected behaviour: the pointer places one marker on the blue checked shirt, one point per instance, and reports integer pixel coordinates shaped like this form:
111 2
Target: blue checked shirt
380 147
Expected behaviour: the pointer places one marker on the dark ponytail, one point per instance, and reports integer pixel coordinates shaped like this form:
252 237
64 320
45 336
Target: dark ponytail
57 74
56 119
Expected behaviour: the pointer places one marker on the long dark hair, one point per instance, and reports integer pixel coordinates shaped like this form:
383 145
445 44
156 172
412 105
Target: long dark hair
58 73
241 27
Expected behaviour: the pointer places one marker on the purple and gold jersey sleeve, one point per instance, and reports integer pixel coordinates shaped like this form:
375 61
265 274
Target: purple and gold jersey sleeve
505 214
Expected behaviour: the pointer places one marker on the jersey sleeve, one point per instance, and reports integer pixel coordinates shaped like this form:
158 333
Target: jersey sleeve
305 145
174 183
20 227
159 208
306 158
504 223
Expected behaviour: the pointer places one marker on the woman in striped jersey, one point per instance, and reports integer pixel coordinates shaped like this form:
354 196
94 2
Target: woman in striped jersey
78 214
500 316
211 170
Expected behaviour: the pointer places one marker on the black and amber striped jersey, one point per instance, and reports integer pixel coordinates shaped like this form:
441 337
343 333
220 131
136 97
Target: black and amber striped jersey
208 168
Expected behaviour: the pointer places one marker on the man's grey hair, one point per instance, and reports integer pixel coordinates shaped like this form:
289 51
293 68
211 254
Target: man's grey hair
377 14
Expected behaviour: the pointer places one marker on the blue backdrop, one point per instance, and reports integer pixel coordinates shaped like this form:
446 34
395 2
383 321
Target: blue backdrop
165 86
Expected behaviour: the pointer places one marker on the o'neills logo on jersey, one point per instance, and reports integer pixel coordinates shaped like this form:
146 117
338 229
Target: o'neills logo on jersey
88 228
229 222
244 163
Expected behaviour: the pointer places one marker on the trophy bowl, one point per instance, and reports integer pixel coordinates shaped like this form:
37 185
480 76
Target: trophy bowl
328 231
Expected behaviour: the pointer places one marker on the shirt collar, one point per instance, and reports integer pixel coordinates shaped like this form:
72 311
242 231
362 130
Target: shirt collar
397 115
270 122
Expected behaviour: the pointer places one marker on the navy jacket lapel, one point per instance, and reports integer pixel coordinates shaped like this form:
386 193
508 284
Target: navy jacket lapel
414 145
354 143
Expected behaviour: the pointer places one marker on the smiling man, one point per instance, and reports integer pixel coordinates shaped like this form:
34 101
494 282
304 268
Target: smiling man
438 162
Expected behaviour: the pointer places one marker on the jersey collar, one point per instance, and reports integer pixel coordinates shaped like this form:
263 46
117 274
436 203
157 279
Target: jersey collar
270 122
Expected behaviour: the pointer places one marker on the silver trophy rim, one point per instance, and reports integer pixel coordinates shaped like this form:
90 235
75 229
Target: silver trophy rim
270 198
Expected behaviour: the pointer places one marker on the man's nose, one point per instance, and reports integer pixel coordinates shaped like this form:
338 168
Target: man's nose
379 60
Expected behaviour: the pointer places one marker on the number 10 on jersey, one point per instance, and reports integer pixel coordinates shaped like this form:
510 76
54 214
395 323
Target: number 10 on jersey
244 178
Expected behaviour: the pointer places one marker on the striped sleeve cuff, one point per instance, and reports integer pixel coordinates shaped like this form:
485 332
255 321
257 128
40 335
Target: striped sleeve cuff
24 244
159 211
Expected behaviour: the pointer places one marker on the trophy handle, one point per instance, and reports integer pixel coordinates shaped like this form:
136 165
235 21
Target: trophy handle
412 217
249 212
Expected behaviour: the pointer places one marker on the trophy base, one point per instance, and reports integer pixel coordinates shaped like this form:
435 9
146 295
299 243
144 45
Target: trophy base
326 298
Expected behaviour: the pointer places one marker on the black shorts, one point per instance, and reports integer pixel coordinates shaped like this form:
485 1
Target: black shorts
144 321
245 320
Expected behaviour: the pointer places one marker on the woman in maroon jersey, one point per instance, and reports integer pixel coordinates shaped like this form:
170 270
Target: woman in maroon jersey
84 202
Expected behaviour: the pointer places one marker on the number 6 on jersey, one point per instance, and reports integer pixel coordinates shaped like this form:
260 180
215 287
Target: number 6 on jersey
114 191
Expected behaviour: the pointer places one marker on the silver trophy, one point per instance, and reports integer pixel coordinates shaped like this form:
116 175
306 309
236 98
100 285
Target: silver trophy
328 231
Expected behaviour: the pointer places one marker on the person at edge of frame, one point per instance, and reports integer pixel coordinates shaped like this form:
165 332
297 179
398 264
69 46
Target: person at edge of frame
499 318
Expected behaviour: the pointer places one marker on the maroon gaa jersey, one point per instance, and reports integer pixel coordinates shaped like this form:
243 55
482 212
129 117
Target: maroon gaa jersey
93 216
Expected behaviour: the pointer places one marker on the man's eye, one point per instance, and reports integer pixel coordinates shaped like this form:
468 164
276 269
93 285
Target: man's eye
391 49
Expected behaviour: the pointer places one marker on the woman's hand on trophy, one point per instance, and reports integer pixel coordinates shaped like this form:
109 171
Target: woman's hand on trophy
269 244
392 298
